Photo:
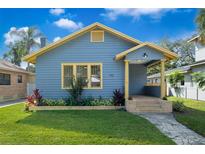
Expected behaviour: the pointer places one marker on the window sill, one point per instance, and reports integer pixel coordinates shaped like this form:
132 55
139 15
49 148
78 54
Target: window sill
93 88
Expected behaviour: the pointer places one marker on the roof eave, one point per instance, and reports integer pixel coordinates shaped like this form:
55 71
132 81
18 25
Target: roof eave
32 57
168 54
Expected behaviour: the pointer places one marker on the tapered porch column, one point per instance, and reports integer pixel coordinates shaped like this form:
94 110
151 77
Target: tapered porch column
162 79
126 79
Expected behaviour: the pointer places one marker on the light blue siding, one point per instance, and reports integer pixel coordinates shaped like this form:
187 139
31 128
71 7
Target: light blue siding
48 65
137 79
151 53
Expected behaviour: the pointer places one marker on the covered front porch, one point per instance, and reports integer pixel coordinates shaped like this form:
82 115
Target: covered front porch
136 79
137 60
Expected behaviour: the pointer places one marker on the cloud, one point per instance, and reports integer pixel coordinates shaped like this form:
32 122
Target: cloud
17 34
56 39
68 24
14 35
155 13
56 12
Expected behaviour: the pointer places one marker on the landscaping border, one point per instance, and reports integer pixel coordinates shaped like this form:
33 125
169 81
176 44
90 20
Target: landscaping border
41 108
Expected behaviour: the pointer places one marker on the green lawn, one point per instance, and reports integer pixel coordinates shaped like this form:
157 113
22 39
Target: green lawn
194 117
76 127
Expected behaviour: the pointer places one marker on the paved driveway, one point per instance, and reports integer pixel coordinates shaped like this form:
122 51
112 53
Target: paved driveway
8 103
179 133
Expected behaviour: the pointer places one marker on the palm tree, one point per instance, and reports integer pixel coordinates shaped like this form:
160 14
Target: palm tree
200 20
28 41
30 38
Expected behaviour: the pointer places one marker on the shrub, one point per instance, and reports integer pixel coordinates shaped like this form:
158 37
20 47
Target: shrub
118 98
37 95
178 106
100 101
34 99
199 78
53 102
76 89
89 101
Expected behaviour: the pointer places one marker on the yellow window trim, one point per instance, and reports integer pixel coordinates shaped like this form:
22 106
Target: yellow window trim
91 35
89 74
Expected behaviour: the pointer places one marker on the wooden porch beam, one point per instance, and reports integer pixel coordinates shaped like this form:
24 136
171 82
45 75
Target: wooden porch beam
153 64
162 79
126 79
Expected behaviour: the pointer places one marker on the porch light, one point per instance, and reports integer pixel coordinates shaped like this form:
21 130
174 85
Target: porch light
145 55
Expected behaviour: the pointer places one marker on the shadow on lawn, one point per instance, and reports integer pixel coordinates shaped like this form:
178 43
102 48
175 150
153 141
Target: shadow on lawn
193 119
110 124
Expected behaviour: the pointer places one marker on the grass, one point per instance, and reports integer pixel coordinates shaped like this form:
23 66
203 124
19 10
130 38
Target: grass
194 117
76 127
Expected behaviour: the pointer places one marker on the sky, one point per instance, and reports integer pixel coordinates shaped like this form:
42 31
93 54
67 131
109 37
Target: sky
143 24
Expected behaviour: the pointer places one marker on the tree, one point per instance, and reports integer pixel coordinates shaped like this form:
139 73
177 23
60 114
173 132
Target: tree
175 78
15 53
184 50
28 41
199 78
30 38
200 20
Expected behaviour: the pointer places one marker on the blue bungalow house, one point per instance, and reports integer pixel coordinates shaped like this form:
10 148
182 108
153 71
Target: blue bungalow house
106 58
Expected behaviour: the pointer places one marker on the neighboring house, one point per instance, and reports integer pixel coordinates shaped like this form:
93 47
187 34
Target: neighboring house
107 59
13 81
189 88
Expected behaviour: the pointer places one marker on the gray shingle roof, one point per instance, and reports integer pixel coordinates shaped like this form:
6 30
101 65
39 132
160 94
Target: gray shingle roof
5 65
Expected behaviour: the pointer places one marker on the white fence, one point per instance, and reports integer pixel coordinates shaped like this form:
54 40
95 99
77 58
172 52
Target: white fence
187 92
30 88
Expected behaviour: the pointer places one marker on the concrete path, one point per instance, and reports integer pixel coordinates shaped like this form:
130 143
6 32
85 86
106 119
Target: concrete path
179 133
8 103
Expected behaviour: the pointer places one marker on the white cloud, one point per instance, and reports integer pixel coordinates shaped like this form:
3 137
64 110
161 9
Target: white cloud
68 24
14 35
56 11
56 39
154 13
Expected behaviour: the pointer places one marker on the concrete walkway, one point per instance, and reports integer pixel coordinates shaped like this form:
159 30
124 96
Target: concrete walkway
8 103
179 133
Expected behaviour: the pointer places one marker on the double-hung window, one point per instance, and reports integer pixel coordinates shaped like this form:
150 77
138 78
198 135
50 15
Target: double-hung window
5 79
19 79
90 73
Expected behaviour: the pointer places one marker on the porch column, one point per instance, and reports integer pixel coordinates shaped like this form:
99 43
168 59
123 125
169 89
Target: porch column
162 79
126 79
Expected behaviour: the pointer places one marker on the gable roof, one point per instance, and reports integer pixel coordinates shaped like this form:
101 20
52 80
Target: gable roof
167 53
31 58
7 66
